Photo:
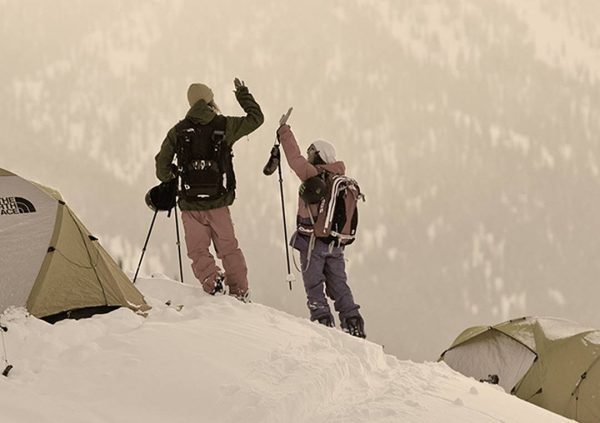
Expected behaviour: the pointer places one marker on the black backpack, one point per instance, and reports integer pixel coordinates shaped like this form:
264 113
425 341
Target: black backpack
204 160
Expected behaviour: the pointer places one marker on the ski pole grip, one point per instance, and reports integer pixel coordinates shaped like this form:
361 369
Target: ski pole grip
284 118
7 370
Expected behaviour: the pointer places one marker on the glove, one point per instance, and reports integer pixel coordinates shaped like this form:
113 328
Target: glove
238 84
284 118
273 162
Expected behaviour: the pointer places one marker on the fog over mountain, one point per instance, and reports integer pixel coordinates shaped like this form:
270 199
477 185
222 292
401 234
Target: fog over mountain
472 127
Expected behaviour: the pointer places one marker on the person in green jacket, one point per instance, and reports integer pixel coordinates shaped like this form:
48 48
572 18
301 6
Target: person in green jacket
208 220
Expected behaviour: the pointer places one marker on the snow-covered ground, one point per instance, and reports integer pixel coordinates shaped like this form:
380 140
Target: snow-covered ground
215 359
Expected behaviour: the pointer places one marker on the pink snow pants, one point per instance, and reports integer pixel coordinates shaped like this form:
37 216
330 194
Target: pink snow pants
203 226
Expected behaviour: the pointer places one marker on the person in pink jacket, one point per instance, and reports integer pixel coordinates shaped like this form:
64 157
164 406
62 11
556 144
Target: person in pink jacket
323 265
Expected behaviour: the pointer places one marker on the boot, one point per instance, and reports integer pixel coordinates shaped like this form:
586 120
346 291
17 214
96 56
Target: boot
326 320
243 297
219 288
355 326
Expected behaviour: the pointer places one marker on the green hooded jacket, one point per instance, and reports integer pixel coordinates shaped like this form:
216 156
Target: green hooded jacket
236 128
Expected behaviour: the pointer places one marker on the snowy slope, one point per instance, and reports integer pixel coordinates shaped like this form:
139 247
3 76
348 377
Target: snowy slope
214 359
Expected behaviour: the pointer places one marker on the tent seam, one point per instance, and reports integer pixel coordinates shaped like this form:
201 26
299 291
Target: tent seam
89 256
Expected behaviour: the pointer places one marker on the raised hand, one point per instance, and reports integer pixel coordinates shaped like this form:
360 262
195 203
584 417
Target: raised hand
238 84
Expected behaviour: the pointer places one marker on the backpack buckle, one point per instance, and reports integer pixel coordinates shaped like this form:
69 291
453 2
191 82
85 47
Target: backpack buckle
200 164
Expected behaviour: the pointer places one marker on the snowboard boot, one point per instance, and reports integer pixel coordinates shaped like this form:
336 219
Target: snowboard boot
355 326
244 297
219 288
326 320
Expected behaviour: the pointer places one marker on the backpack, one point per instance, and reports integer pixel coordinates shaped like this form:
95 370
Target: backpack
337 218
204 160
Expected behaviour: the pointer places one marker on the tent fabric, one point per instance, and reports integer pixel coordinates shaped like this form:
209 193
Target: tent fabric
492 353
552 363
49 261
25 232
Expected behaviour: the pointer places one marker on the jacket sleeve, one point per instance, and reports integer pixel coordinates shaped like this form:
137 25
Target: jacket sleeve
164 158
295 159
237 127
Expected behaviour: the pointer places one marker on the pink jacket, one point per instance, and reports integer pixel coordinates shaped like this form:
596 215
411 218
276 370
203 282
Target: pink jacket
302 167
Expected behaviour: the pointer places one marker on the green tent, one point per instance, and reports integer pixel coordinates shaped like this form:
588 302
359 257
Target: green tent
49 262
550 362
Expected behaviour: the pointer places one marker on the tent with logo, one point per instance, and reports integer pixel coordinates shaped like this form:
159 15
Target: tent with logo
49 262
550 362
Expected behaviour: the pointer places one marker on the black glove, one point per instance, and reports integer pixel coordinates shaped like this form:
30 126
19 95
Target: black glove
273 162
238 84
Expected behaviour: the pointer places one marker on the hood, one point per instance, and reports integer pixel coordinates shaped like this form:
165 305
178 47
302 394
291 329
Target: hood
201 113
339 168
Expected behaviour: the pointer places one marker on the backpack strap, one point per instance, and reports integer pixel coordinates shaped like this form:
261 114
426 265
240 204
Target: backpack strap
305 228
226 159
311 247
182 149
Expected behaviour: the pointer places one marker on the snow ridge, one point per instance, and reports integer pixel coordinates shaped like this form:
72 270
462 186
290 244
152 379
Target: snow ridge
204 358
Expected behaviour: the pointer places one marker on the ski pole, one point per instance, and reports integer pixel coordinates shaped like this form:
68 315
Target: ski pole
290 276
8 367
145 245
178 244
273 163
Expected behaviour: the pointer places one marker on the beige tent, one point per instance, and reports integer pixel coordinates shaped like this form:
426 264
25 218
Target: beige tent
552 363
49 261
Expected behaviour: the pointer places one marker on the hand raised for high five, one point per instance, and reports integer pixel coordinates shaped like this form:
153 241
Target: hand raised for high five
238 84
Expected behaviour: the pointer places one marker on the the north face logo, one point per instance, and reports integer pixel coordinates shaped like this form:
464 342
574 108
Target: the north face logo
15 205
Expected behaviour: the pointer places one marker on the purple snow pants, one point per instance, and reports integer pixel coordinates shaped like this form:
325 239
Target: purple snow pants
325 274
